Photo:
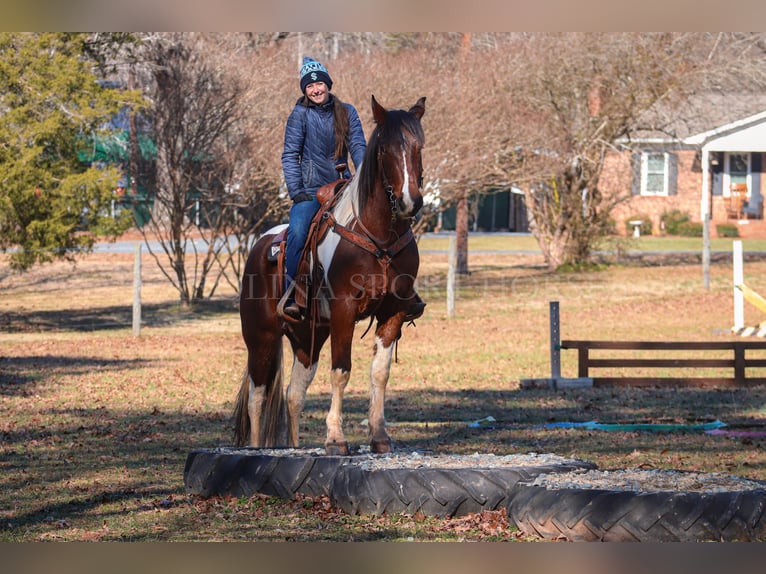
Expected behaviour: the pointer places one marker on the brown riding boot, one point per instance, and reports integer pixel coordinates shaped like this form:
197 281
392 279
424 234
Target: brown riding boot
415 309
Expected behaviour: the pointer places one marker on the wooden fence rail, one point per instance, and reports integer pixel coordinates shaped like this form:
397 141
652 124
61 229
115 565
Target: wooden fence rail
738 363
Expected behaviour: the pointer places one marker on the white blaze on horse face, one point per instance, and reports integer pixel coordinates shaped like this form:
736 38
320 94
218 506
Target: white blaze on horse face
409 202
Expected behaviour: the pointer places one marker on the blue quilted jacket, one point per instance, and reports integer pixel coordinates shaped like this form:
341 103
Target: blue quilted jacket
308 158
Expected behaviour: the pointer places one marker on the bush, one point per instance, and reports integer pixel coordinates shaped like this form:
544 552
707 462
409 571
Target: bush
690 229
645 227
610 227
727 230
672 220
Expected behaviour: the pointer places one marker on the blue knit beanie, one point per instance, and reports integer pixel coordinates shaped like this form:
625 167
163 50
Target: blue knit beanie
312 71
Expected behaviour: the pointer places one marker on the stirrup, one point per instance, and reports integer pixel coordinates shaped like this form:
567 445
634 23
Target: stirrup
283 302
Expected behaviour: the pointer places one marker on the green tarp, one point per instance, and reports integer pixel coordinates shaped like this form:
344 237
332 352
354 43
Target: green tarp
650 427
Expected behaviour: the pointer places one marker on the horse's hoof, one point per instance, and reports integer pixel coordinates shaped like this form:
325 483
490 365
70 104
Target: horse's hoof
380 446
336 449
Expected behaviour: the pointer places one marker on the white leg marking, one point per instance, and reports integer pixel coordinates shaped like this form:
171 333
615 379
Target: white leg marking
255 401
338 379
379 373
300 379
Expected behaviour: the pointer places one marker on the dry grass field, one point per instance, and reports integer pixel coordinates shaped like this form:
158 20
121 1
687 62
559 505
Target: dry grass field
96 423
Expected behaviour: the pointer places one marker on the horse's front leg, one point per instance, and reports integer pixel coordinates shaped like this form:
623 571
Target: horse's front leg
340 342
386 335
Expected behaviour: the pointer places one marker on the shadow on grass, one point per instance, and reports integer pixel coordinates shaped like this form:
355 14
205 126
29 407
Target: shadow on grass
18 375
441 422
111 318
103 463
98 463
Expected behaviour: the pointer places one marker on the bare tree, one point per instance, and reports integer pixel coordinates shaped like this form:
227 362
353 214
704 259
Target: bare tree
210 182
244 195
459 73
573 97
540 111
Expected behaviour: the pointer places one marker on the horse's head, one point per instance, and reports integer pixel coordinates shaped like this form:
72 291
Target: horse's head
399 140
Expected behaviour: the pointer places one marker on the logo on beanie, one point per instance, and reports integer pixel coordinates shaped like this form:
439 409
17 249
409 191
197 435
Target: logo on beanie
312 71
312 67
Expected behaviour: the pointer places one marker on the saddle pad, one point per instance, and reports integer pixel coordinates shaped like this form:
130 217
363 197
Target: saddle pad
276 246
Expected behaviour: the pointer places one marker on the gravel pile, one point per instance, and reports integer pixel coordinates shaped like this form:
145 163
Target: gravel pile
413 460
647 480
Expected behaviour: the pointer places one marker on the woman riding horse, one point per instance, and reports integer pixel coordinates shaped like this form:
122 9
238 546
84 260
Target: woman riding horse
367 262
320 132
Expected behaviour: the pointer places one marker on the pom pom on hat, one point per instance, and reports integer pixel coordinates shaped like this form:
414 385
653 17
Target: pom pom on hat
312 71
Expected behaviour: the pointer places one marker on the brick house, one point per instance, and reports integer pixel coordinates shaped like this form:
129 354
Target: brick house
707 157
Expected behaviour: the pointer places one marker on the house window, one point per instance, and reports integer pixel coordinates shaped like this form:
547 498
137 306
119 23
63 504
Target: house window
654 173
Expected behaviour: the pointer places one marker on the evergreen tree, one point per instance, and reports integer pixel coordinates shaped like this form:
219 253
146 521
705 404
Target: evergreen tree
52 111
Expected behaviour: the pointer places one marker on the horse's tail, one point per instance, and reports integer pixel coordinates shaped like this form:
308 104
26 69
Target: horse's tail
273 420
241 417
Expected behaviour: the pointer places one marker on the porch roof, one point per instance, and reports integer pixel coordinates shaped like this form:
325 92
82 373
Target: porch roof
748 134
702 119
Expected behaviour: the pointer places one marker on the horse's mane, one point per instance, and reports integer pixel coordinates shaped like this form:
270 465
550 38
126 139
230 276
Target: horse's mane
390 133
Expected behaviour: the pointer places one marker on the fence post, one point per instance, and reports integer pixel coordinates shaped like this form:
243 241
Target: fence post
451 276
555 341
739 363
137 291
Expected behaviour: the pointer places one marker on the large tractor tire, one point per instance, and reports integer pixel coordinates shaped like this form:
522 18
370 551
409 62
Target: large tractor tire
581 514
441 492
242 472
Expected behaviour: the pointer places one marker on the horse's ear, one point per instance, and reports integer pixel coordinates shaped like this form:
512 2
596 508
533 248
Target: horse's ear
378 112
419 108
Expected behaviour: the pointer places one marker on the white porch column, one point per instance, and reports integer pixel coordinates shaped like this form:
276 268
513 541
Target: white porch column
705 199
705 217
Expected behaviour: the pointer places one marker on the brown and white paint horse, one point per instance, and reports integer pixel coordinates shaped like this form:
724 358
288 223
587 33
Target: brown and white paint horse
369 264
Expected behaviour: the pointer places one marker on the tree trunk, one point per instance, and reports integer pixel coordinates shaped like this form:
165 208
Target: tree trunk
461 234
132 183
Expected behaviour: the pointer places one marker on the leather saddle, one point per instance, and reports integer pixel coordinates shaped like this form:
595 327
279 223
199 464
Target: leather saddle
327 195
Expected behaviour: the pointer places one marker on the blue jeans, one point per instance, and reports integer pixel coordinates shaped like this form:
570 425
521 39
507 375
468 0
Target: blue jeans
300 221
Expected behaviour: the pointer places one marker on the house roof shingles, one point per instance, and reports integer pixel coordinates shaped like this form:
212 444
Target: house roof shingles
696 115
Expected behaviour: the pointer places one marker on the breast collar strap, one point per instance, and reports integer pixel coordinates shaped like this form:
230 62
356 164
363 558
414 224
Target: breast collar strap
383 253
